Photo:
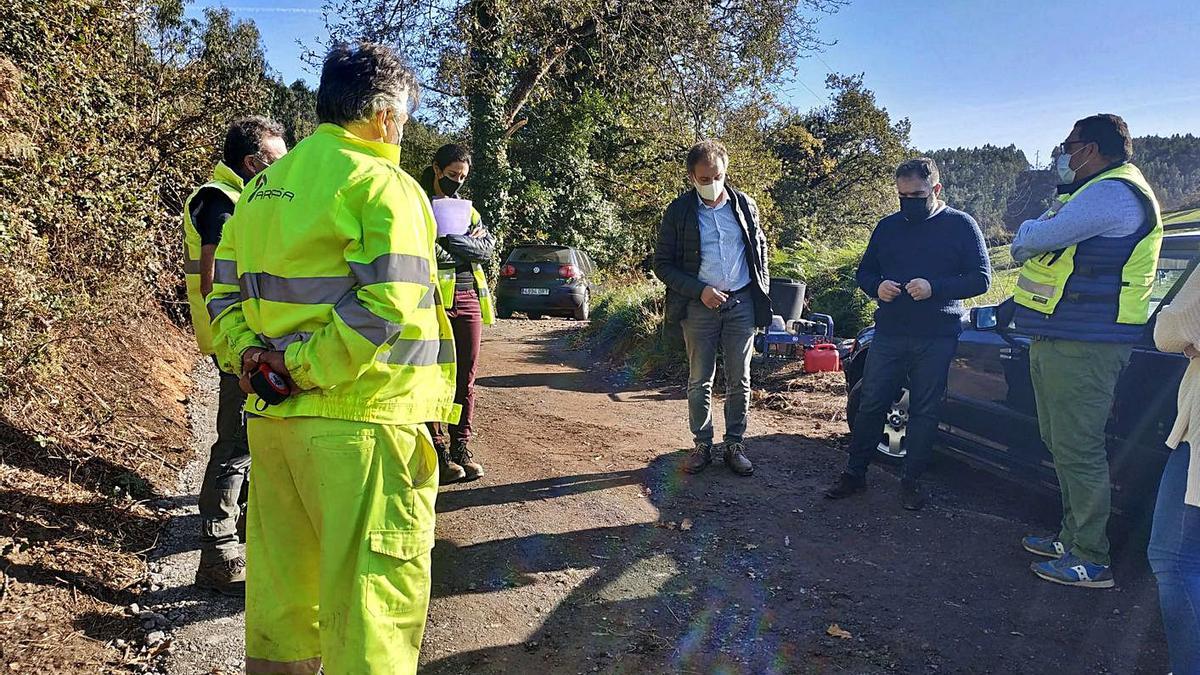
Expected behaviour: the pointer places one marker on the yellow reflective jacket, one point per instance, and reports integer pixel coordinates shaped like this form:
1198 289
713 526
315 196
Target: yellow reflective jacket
329 257
448 279
1098 272
229 183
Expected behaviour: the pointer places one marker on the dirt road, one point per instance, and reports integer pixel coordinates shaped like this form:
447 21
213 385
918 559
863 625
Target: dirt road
585 550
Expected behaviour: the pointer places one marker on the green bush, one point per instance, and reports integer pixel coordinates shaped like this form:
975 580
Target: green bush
627 325
829 274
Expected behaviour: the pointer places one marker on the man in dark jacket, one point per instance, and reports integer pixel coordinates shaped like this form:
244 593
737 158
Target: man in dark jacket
712 256
920 264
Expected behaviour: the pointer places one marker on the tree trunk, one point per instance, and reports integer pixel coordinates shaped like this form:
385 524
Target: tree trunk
491 175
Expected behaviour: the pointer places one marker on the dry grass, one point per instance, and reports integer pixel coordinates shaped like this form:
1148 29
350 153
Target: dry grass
80 457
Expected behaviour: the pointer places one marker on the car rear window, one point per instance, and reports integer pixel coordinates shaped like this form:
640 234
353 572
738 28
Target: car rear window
553 254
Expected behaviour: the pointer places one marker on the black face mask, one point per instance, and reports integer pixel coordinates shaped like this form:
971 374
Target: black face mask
449 186
918 209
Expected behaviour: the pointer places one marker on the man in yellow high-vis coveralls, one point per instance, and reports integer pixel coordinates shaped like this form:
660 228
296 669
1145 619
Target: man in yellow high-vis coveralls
326 274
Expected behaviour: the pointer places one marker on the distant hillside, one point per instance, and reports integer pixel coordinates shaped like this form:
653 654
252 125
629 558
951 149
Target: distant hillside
1001 189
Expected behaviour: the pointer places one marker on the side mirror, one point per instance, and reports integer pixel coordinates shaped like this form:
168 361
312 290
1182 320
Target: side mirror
984 318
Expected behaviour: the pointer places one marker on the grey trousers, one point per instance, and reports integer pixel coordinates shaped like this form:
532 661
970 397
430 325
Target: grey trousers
221 493
704 330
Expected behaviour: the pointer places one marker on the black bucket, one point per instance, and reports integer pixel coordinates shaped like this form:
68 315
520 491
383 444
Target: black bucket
787 298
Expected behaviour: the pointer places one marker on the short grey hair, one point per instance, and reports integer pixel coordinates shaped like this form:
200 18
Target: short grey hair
359 81
706 151
920 167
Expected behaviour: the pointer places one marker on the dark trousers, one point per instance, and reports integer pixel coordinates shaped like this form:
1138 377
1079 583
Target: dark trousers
222 493
893 360
732 331
467 324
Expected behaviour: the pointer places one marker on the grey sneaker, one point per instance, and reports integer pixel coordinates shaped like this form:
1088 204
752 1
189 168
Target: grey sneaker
736 460
699 458
227 577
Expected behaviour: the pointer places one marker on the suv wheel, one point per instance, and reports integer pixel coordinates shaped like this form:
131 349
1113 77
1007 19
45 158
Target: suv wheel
893 440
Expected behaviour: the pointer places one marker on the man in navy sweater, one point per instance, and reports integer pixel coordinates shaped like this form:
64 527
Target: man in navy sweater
920 264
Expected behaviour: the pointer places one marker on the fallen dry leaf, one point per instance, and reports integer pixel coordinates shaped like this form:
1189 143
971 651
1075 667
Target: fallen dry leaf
686 524
837 631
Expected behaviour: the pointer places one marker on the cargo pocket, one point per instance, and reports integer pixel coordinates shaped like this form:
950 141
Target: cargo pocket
398 568
343 461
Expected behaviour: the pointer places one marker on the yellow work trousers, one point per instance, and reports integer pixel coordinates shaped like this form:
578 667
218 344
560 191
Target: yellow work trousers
338 540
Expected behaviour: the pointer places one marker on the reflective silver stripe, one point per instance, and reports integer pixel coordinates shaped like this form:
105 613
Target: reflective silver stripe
221 303
428 299
281 343
391 267
191 266
305 667
419 353
296 290
1027 284
377 330
225 272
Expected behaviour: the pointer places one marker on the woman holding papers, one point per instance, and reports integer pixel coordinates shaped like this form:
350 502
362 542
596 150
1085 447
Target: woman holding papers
463 247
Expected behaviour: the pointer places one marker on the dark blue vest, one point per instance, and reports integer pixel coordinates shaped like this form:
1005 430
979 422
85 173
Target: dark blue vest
1088 309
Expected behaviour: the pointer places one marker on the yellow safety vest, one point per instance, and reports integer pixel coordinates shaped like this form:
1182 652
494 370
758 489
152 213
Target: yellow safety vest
1044 278
447 280
229 183
329 258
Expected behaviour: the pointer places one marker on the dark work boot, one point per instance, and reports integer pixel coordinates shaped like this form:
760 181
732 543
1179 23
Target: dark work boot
227 577
449 471
846 486
699 458
736 460
912 497
460 453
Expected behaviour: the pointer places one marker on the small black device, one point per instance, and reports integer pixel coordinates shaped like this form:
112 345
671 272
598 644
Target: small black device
269 385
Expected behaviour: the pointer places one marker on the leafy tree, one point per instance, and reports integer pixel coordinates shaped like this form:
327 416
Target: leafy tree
983 182
505 57
1172 165
295 107
838 163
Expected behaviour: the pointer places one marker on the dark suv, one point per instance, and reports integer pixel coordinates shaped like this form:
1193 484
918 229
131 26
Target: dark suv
989 414
546 280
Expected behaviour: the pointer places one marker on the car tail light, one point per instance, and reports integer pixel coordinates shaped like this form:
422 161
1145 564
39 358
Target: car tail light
508 271
568 272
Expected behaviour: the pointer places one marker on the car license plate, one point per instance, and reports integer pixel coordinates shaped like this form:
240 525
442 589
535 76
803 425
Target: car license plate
535 291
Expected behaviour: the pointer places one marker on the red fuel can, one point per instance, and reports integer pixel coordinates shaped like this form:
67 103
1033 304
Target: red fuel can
822 357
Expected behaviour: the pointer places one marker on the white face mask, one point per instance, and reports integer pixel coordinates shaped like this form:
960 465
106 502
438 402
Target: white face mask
712 191
1062 165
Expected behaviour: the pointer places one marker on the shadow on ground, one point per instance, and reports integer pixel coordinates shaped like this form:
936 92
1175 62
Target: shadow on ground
766 565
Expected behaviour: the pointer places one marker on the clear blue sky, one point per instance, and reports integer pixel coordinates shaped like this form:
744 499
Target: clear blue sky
966 72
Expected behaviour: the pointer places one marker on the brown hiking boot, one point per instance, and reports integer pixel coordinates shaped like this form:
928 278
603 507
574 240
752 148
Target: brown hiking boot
698 458
736 460
460 453
449 471
227 577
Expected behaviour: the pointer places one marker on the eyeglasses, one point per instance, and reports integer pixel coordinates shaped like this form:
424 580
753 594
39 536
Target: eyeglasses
1062 147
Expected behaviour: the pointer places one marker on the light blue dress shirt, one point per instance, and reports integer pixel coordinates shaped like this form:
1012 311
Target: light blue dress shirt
722 248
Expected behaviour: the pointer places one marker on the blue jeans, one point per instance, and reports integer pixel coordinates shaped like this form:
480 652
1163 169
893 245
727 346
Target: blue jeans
704 330
892 361
1174 555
